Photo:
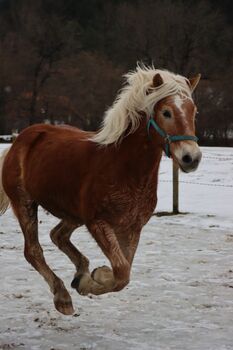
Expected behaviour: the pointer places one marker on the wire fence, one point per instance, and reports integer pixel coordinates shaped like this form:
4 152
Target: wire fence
199 183
217 173
220 159
228 158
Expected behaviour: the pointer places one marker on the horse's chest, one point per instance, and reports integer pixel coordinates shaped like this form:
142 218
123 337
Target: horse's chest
146 201
130 205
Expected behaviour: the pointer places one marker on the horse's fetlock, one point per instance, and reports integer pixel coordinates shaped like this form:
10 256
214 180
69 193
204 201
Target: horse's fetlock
120 284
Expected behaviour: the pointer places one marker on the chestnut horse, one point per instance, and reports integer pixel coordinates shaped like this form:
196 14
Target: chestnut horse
106 181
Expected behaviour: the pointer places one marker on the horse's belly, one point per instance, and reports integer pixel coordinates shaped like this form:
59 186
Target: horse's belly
62 211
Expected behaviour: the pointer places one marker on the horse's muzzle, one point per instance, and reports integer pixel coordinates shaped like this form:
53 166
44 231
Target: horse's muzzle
189 162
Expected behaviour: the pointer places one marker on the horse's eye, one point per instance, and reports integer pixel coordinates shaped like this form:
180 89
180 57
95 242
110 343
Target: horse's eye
167 114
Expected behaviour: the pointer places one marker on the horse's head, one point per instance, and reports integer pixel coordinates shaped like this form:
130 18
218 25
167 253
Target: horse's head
163 100
174 121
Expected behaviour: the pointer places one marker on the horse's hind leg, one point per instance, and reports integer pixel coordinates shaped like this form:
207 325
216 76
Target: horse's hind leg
26 212
60 236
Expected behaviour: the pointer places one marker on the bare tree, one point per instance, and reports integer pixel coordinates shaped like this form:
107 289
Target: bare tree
182 36
90 81
64 60
40 41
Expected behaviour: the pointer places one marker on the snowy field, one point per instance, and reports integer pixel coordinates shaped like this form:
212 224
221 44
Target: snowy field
181 292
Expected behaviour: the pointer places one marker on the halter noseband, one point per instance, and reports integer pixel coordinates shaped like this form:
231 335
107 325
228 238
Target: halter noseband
168 138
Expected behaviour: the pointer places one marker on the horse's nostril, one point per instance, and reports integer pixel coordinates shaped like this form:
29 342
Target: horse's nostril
187 159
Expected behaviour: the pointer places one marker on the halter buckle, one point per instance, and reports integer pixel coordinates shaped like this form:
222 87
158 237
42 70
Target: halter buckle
167 139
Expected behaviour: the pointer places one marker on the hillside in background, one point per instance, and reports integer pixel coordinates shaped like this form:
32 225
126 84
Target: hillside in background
62 61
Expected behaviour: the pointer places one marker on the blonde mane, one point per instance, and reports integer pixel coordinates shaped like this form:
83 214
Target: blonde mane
133 98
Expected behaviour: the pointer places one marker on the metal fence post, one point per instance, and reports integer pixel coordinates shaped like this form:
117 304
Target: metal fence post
175 174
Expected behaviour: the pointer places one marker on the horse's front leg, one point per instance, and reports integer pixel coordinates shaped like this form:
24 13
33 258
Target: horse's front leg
104 279
128 242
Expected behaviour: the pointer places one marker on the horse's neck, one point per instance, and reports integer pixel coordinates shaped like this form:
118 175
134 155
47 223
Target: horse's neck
141 155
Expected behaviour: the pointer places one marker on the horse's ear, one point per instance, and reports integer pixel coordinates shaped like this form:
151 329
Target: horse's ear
194 81
157 80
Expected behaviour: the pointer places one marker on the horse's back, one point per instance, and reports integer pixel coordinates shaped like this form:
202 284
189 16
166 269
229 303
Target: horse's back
51 133
38 141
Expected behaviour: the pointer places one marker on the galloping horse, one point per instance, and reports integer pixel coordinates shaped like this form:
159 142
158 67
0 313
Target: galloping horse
106 180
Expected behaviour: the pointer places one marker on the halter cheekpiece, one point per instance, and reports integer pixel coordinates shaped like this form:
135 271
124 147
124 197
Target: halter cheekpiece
168 138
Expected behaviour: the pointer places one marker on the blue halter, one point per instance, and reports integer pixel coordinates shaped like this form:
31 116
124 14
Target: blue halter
168 138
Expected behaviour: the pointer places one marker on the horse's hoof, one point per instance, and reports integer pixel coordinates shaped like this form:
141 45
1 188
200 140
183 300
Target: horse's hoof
76 281
83 283
93 272
63 305
104 276
100 269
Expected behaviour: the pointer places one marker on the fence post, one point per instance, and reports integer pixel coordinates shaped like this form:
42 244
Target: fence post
14 133
175 174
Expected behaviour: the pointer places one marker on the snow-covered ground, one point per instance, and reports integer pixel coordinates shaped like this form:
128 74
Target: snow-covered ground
181 292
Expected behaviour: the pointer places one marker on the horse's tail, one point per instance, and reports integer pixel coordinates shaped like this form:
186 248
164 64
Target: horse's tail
4 200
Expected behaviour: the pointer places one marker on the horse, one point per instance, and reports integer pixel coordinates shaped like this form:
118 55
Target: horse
106 180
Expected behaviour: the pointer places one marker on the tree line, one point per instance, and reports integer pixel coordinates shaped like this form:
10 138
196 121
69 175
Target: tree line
62 61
